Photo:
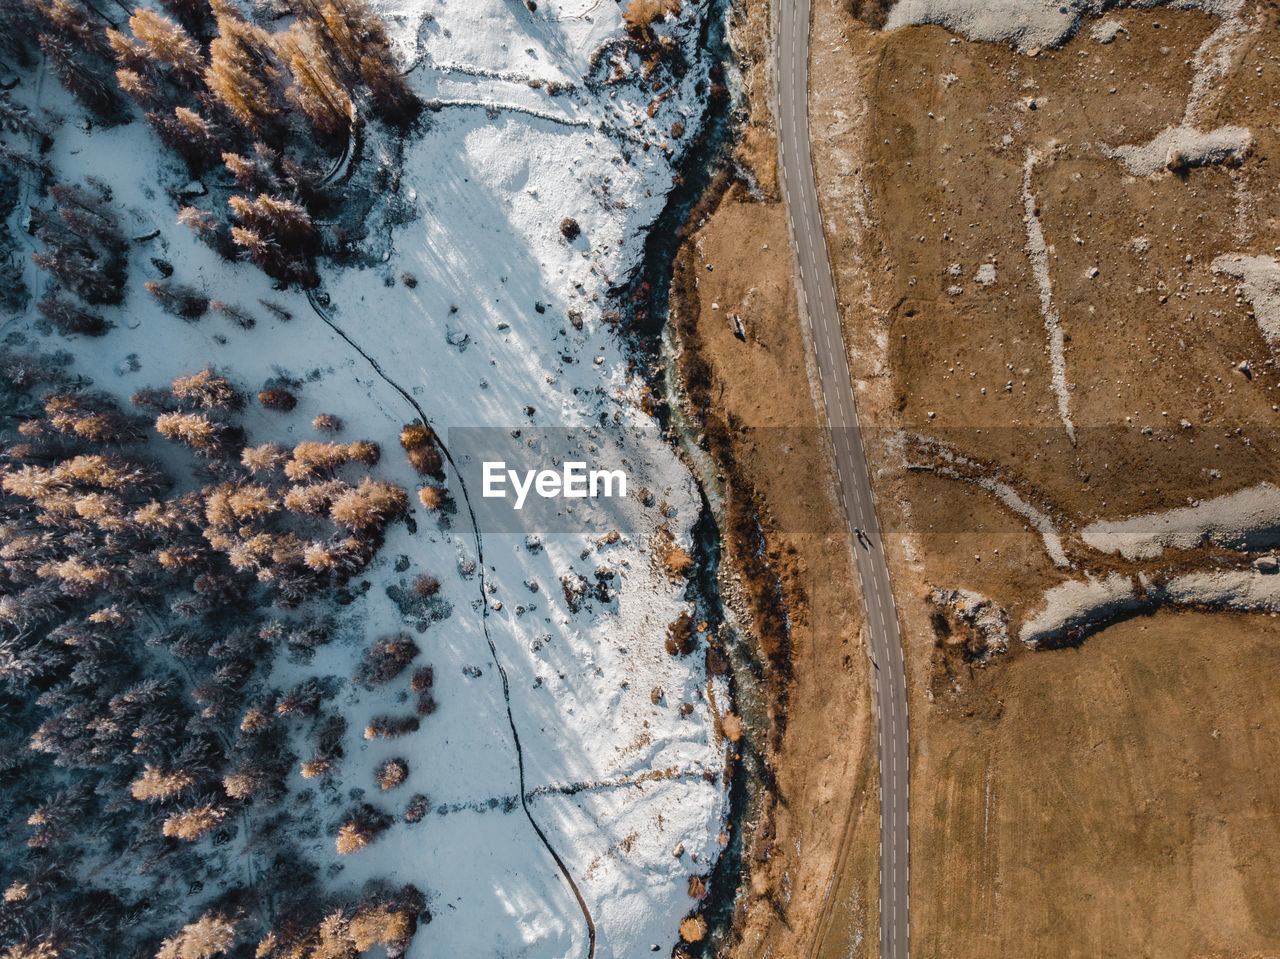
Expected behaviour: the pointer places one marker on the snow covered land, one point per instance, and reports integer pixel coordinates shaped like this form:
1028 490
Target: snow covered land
574 766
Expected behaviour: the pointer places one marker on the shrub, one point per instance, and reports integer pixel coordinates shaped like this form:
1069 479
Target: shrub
417 808
426 586
177 299
263 459
277 398
194 429
326 423
680 635
352 838
207 390
569 229
424 678
389 727
420 446
392 773
318 768
385 660
693 929
234 313
432 497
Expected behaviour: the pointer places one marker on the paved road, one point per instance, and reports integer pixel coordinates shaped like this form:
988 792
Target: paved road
818 307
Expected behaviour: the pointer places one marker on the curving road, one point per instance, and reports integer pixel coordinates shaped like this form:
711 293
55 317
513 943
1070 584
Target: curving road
819 310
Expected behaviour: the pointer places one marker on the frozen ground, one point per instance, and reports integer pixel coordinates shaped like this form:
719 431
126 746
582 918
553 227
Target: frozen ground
1027 23
625 789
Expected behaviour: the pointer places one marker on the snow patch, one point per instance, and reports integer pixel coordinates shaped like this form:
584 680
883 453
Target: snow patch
1238 589
1024 23
1038 254
1248 519
990 621
1079 603
1260 278
1107 30
1181 147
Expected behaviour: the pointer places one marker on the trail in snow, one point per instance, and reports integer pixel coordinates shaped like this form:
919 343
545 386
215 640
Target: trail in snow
484 618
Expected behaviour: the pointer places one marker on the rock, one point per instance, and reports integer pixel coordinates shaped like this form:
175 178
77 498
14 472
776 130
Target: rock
678 851
1267 564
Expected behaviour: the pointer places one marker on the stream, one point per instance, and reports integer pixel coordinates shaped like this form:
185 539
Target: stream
646 301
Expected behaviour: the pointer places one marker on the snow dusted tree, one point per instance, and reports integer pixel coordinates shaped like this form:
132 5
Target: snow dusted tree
178 299
213 934
69 318
206 390
243 70
73 39
277 234
317 90
84 246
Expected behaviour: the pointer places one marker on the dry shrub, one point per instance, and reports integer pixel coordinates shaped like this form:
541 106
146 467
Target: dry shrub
255 720
680 635
263 459
423 679
314 499
379 926
392 773
641 15
677 561
426 586
194 429
732 725
318 768
697 887
417 808
243 784
41 949
353 836
326 423
389 727
693 929
312 459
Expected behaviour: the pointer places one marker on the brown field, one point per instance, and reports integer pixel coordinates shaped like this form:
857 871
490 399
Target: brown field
1117 798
